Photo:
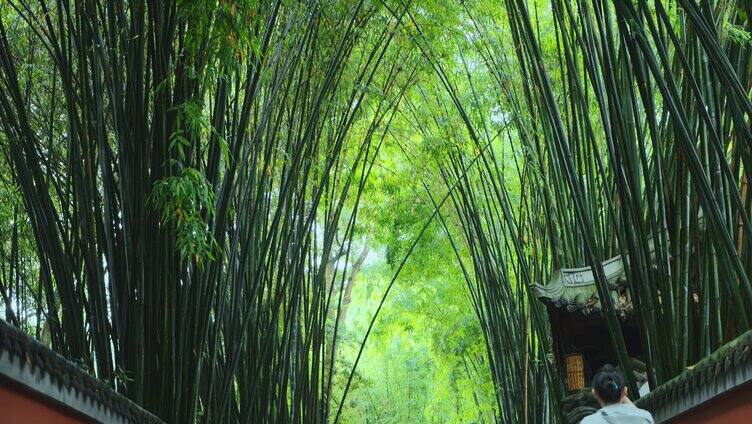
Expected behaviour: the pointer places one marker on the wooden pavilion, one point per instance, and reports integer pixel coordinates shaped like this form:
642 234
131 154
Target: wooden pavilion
716 390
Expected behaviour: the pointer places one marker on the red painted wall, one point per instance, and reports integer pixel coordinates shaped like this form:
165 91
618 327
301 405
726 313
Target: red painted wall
734 407
17 406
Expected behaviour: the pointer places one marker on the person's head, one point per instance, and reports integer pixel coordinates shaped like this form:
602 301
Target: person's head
609 386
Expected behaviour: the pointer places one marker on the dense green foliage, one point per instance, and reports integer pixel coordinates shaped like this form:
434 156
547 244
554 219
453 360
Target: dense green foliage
280 211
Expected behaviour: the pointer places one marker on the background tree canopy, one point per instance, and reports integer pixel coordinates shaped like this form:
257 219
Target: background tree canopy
333 210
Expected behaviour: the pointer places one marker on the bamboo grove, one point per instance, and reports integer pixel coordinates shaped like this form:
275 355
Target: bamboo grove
188 170
627 132
635 142
186 179
644 155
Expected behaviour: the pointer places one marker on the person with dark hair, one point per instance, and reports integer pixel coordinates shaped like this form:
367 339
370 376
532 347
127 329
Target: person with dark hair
610 390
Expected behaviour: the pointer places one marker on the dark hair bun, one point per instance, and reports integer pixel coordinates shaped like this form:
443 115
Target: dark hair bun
609 383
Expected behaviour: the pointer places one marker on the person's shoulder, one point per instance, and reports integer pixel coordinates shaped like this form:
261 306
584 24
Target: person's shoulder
594 418
641 411
646 414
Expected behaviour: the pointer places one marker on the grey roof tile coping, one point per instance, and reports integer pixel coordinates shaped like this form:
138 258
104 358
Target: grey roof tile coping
27 362
726 369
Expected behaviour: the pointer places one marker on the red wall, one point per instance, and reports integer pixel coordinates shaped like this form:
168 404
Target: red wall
734 407
17 406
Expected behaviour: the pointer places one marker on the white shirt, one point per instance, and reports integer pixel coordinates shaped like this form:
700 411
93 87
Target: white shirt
619 413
